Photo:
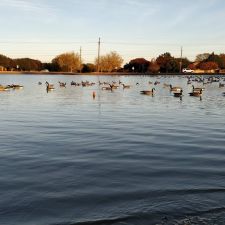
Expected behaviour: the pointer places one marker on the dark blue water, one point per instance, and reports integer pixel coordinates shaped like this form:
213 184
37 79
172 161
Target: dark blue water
121 158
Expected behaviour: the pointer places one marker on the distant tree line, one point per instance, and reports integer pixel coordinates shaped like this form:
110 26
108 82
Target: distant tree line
66 62
111 62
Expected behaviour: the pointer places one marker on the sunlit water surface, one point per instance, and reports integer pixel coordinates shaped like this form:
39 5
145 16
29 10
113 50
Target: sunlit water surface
121 158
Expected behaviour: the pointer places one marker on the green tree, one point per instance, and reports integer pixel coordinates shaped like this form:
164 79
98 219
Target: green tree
153 66
167 63
88 68
6 62
138 65
27 64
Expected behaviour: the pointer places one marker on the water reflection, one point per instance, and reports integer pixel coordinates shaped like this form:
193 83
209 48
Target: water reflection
81 153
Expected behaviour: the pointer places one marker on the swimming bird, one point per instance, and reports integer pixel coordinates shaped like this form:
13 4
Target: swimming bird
3 88
61 84
113 86
197 89
221 85
148 92
110 88
175 88
178 94
126 86
15 86
196 93
49 87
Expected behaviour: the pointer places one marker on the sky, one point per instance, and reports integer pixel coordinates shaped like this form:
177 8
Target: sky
42 29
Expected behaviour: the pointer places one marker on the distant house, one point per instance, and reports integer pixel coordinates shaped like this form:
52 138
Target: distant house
2 68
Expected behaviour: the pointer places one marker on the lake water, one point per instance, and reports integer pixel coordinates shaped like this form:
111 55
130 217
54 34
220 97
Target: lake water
121 158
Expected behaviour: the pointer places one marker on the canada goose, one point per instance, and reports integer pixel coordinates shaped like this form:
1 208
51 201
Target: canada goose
148 92
197 89
49 87
126 86
178 94
2 88
110 88
107 88
175 88
15 86
113 86
61 84
196 93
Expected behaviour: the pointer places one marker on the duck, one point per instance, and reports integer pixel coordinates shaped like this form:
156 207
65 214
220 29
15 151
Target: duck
178 94
175 88
148 92
39 83
196 93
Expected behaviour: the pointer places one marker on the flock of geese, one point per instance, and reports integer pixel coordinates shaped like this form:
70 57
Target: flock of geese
10 87
177 91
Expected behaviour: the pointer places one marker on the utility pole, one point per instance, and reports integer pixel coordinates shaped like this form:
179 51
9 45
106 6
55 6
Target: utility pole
99 48
80 58
181 58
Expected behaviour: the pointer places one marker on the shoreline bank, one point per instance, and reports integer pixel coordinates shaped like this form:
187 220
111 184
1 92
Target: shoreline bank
105 74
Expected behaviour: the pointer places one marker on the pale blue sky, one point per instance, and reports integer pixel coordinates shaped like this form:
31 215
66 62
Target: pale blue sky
133 28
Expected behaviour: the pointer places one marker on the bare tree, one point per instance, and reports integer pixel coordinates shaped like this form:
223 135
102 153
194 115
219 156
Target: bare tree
202 57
